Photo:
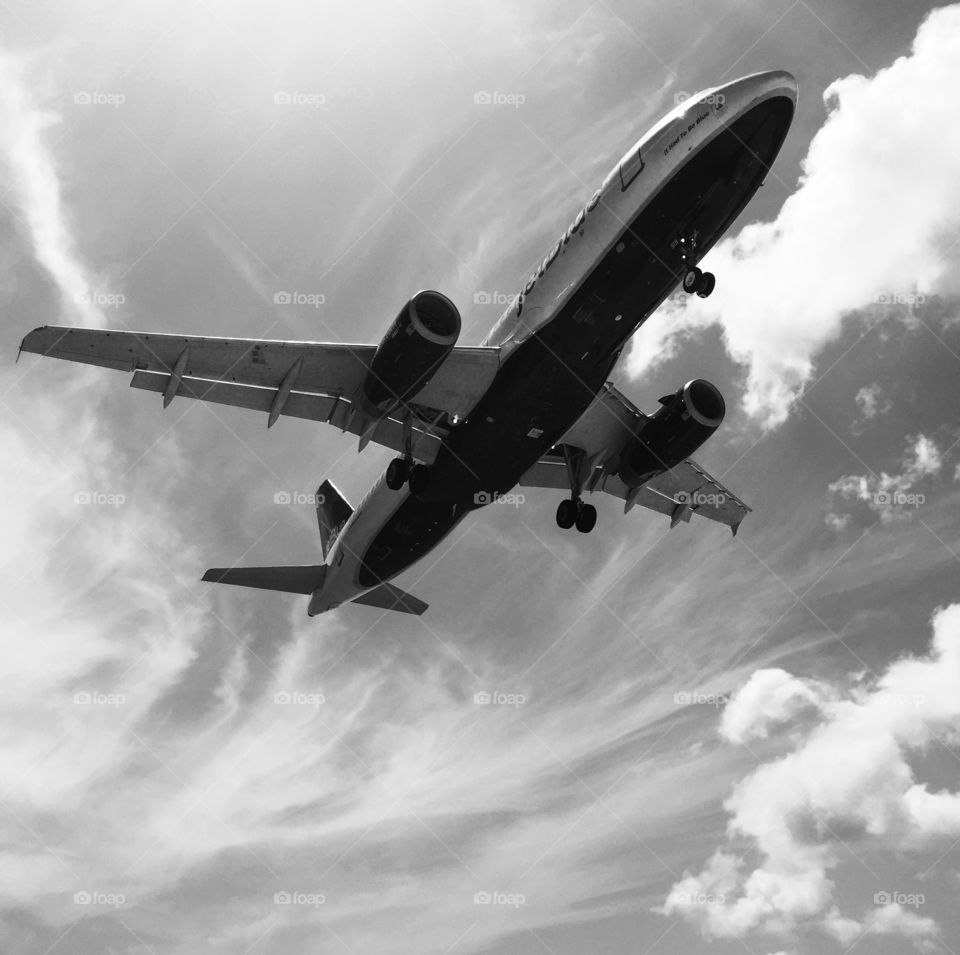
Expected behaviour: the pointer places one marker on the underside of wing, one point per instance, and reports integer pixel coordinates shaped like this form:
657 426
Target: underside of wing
589 456
315 380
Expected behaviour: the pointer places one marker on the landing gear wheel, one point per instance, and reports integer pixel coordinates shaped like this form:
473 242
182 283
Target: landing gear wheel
567 514
586 518
397 473
692 279
707 284
419 479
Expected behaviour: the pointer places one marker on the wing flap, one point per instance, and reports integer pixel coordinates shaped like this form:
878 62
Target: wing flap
312 407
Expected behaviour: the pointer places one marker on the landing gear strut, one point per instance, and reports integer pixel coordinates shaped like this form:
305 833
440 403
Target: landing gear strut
694 280
574 512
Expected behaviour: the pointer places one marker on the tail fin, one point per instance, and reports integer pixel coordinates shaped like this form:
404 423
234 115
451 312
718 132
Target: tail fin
388 597
333 511
290 580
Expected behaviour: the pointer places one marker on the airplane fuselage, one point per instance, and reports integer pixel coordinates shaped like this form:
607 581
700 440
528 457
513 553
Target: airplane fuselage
619 258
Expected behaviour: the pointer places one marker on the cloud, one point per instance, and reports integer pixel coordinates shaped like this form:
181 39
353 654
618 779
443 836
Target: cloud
770 698
846 787
871 226
889 496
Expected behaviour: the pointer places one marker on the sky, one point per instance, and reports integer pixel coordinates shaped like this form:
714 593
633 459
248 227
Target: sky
692 743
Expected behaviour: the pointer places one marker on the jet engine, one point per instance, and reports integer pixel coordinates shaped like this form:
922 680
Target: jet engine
670 435
414 347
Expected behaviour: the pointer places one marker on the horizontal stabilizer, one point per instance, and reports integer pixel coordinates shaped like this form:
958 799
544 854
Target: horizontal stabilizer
303 579
388 597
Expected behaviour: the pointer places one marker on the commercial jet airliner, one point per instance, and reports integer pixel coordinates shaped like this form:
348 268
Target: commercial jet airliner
531 405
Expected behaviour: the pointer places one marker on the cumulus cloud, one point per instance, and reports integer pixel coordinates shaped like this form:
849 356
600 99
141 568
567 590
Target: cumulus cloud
847 786
769 699
890 497
869 227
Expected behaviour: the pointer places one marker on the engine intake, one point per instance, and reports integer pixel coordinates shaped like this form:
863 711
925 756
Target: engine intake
414 347
685 420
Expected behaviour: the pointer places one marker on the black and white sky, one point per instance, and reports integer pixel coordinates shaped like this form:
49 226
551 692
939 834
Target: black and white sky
693 743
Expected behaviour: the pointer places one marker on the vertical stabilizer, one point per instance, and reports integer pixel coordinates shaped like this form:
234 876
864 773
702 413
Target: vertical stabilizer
333 511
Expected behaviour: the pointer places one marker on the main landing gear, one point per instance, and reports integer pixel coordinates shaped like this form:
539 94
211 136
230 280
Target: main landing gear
401 471
573 511
694 280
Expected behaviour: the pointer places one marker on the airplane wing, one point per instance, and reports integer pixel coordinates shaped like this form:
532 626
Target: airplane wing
314 380
600 435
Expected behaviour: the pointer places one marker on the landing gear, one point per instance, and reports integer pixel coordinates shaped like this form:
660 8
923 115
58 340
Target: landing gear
586 518
574 512
398 471
694 280
567 514
419 479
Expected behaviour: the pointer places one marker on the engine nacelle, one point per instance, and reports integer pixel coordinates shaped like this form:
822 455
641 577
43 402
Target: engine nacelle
685 420
414 347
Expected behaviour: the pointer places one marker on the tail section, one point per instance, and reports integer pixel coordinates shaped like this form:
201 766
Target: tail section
333 511
388 597
304 579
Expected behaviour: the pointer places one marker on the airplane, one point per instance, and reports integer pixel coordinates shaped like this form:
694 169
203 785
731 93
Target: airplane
531 405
